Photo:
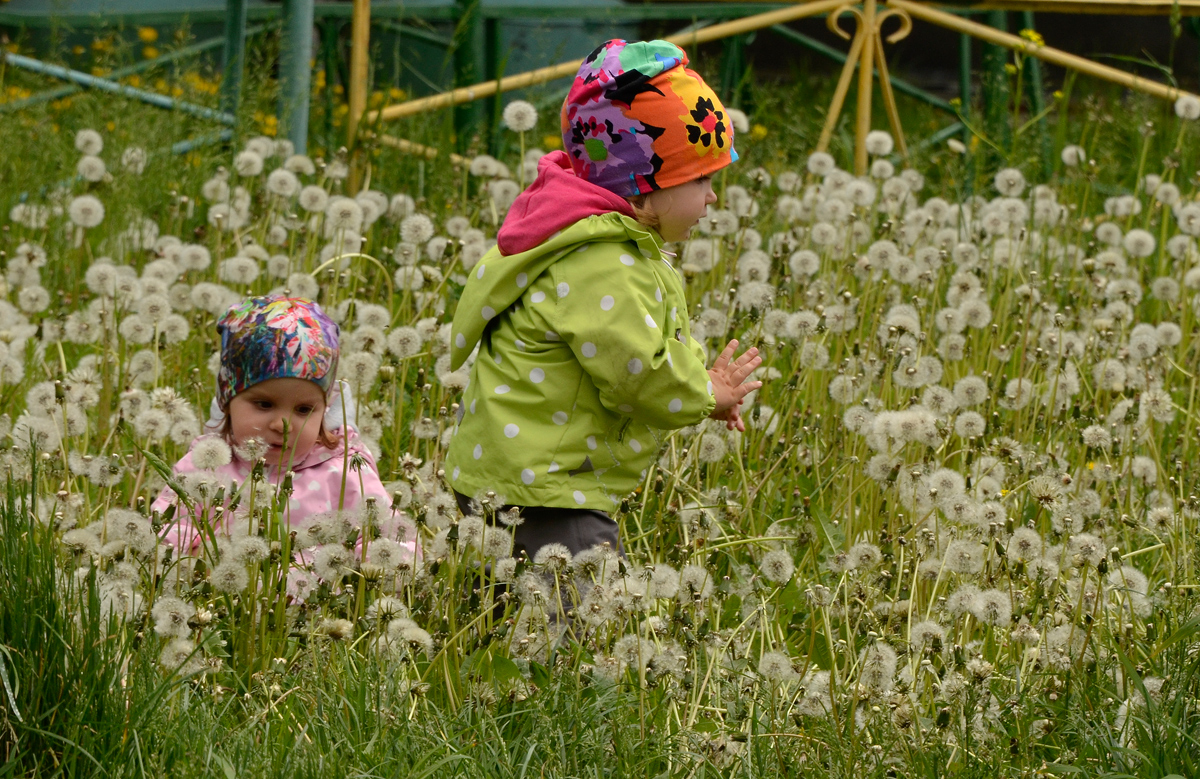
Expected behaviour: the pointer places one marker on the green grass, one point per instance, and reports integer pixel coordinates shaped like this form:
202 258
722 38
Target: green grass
1106 688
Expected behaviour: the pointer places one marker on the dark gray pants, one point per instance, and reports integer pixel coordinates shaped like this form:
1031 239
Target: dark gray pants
576 529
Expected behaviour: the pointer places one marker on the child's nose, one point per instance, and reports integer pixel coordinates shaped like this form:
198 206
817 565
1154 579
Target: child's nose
710 198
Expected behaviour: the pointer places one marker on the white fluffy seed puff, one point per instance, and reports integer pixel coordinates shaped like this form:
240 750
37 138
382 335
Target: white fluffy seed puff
520 116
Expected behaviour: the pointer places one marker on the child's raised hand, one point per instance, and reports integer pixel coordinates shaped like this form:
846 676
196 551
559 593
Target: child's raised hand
729 383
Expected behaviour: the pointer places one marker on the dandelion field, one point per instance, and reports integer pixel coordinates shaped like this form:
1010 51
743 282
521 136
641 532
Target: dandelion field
958 534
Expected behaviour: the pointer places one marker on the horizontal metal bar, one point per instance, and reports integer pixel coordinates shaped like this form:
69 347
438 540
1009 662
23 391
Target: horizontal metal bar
1097 7
1045 53
183 147
418 149
104 85
138 67
399 9
941 135
900 85
692 39
408 31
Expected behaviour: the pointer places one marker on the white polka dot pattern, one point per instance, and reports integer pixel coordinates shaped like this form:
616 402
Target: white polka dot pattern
578 423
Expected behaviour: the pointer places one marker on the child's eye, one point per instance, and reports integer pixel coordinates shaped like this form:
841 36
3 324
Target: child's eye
263 404
304 410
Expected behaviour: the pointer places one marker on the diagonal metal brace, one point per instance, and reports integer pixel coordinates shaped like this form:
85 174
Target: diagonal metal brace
105 85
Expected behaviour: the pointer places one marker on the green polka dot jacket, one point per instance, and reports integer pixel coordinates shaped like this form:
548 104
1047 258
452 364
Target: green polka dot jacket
585 359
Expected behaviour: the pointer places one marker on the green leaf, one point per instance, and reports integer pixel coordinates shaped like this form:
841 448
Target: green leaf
503 669
539 675
5 659
164 470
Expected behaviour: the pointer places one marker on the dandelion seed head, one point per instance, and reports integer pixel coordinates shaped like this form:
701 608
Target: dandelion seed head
1186 107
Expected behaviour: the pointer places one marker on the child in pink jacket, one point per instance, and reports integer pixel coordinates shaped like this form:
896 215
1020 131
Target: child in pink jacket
278 402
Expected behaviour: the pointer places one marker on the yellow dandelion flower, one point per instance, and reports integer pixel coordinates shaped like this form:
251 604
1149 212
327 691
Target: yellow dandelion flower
1010 68
758 132
1033 36
110 126
150 52
78 50
395 93
147 34
551 141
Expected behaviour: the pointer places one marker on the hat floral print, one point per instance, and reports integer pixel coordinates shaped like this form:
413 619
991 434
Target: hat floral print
637 119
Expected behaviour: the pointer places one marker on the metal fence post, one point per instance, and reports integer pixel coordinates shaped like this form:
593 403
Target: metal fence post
295 73
469 65
360 70
233 60
1037 100
995 81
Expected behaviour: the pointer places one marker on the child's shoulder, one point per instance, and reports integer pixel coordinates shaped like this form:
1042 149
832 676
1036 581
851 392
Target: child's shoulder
348 445
602 258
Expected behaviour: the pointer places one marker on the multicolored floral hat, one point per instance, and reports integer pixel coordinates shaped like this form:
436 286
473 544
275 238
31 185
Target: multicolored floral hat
274 337
637 119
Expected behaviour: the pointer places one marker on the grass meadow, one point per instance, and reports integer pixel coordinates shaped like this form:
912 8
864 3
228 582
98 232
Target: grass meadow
958 537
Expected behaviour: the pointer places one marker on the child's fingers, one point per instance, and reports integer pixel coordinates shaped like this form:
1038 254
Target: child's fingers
726 355
739 374
742 390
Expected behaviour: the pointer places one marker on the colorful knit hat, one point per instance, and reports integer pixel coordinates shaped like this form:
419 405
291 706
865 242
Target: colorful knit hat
275 337
637 119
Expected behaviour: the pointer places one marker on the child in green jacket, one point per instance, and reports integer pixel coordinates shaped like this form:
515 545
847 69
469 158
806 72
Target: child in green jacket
585 354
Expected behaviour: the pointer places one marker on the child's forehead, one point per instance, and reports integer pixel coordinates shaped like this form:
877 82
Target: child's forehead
287 388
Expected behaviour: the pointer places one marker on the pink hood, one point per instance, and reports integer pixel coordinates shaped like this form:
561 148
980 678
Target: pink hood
556 199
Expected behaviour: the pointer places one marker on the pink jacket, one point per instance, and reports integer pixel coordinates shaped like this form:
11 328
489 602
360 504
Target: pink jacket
316 488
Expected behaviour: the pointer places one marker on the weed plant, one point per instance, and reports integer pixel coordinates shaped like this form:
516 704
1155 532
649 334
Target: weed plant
958 534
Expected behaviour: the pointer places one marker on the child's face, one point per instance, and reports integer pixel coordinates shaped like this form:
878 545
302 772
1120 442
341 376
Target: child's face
680 207
279 411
